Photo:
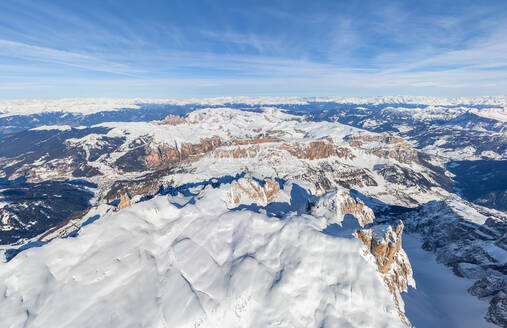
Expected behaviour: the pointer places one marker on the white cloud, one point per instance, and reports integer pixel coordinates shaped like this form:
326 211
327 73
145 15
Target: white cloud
25 51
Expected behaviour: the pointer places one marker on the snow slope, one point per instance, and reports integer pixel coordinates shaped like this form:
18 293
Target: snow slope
158 264
441 298
228 123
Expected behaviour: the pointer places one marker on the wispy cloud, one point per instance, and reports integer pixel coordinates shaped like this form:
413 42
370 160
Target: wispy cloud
42 54
301 48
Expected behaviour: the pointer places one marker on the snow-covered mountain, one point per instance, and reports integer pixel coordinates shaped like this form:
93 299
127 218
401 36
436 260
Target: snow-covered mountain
137 159
162 264
251 211
91 105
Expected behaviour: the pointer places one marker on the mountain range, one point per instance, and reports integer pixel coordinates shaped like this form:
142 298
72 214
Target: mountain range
254 212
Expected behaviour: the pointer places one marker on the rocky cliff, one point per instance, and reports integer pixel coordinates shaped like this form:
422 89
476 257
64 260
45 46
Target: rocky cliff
385 146
384 243
250 191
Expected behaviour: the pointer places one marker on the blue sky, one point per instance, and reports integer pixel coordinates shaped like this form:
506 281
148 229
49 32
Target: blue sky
53 49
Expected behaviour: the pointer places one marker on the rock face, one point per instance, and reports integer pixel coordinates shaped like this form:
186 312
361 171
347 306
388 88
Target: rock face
251 148
317 150
358 141
173 120
385 146
250 191
385 244
164 156
498 309
382 241
146 185
493 286
125 201
336 204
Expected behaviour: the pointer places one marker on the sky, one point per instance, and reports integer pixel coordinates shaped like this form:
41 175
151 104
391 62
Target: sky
178 49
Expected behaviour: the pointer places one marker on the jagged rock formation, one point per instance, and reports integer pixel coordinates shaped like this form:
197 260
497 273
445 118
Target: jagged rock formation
382 242
125 201
385 245
250 191
336 204
492 286
401 175
145 186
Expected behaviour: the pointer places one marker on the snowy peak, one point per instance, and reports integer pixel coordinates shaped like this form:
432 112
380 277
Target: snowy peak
336 204
157 264
93 105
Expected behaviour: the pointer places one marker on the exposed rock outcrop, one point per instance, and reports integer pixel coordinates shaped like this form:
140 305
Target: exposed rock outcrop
147 185
125 201
254 141
358 141
313 150
385 245
165 156
317 150
250 191
336 204
497 311
385 146
173 120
